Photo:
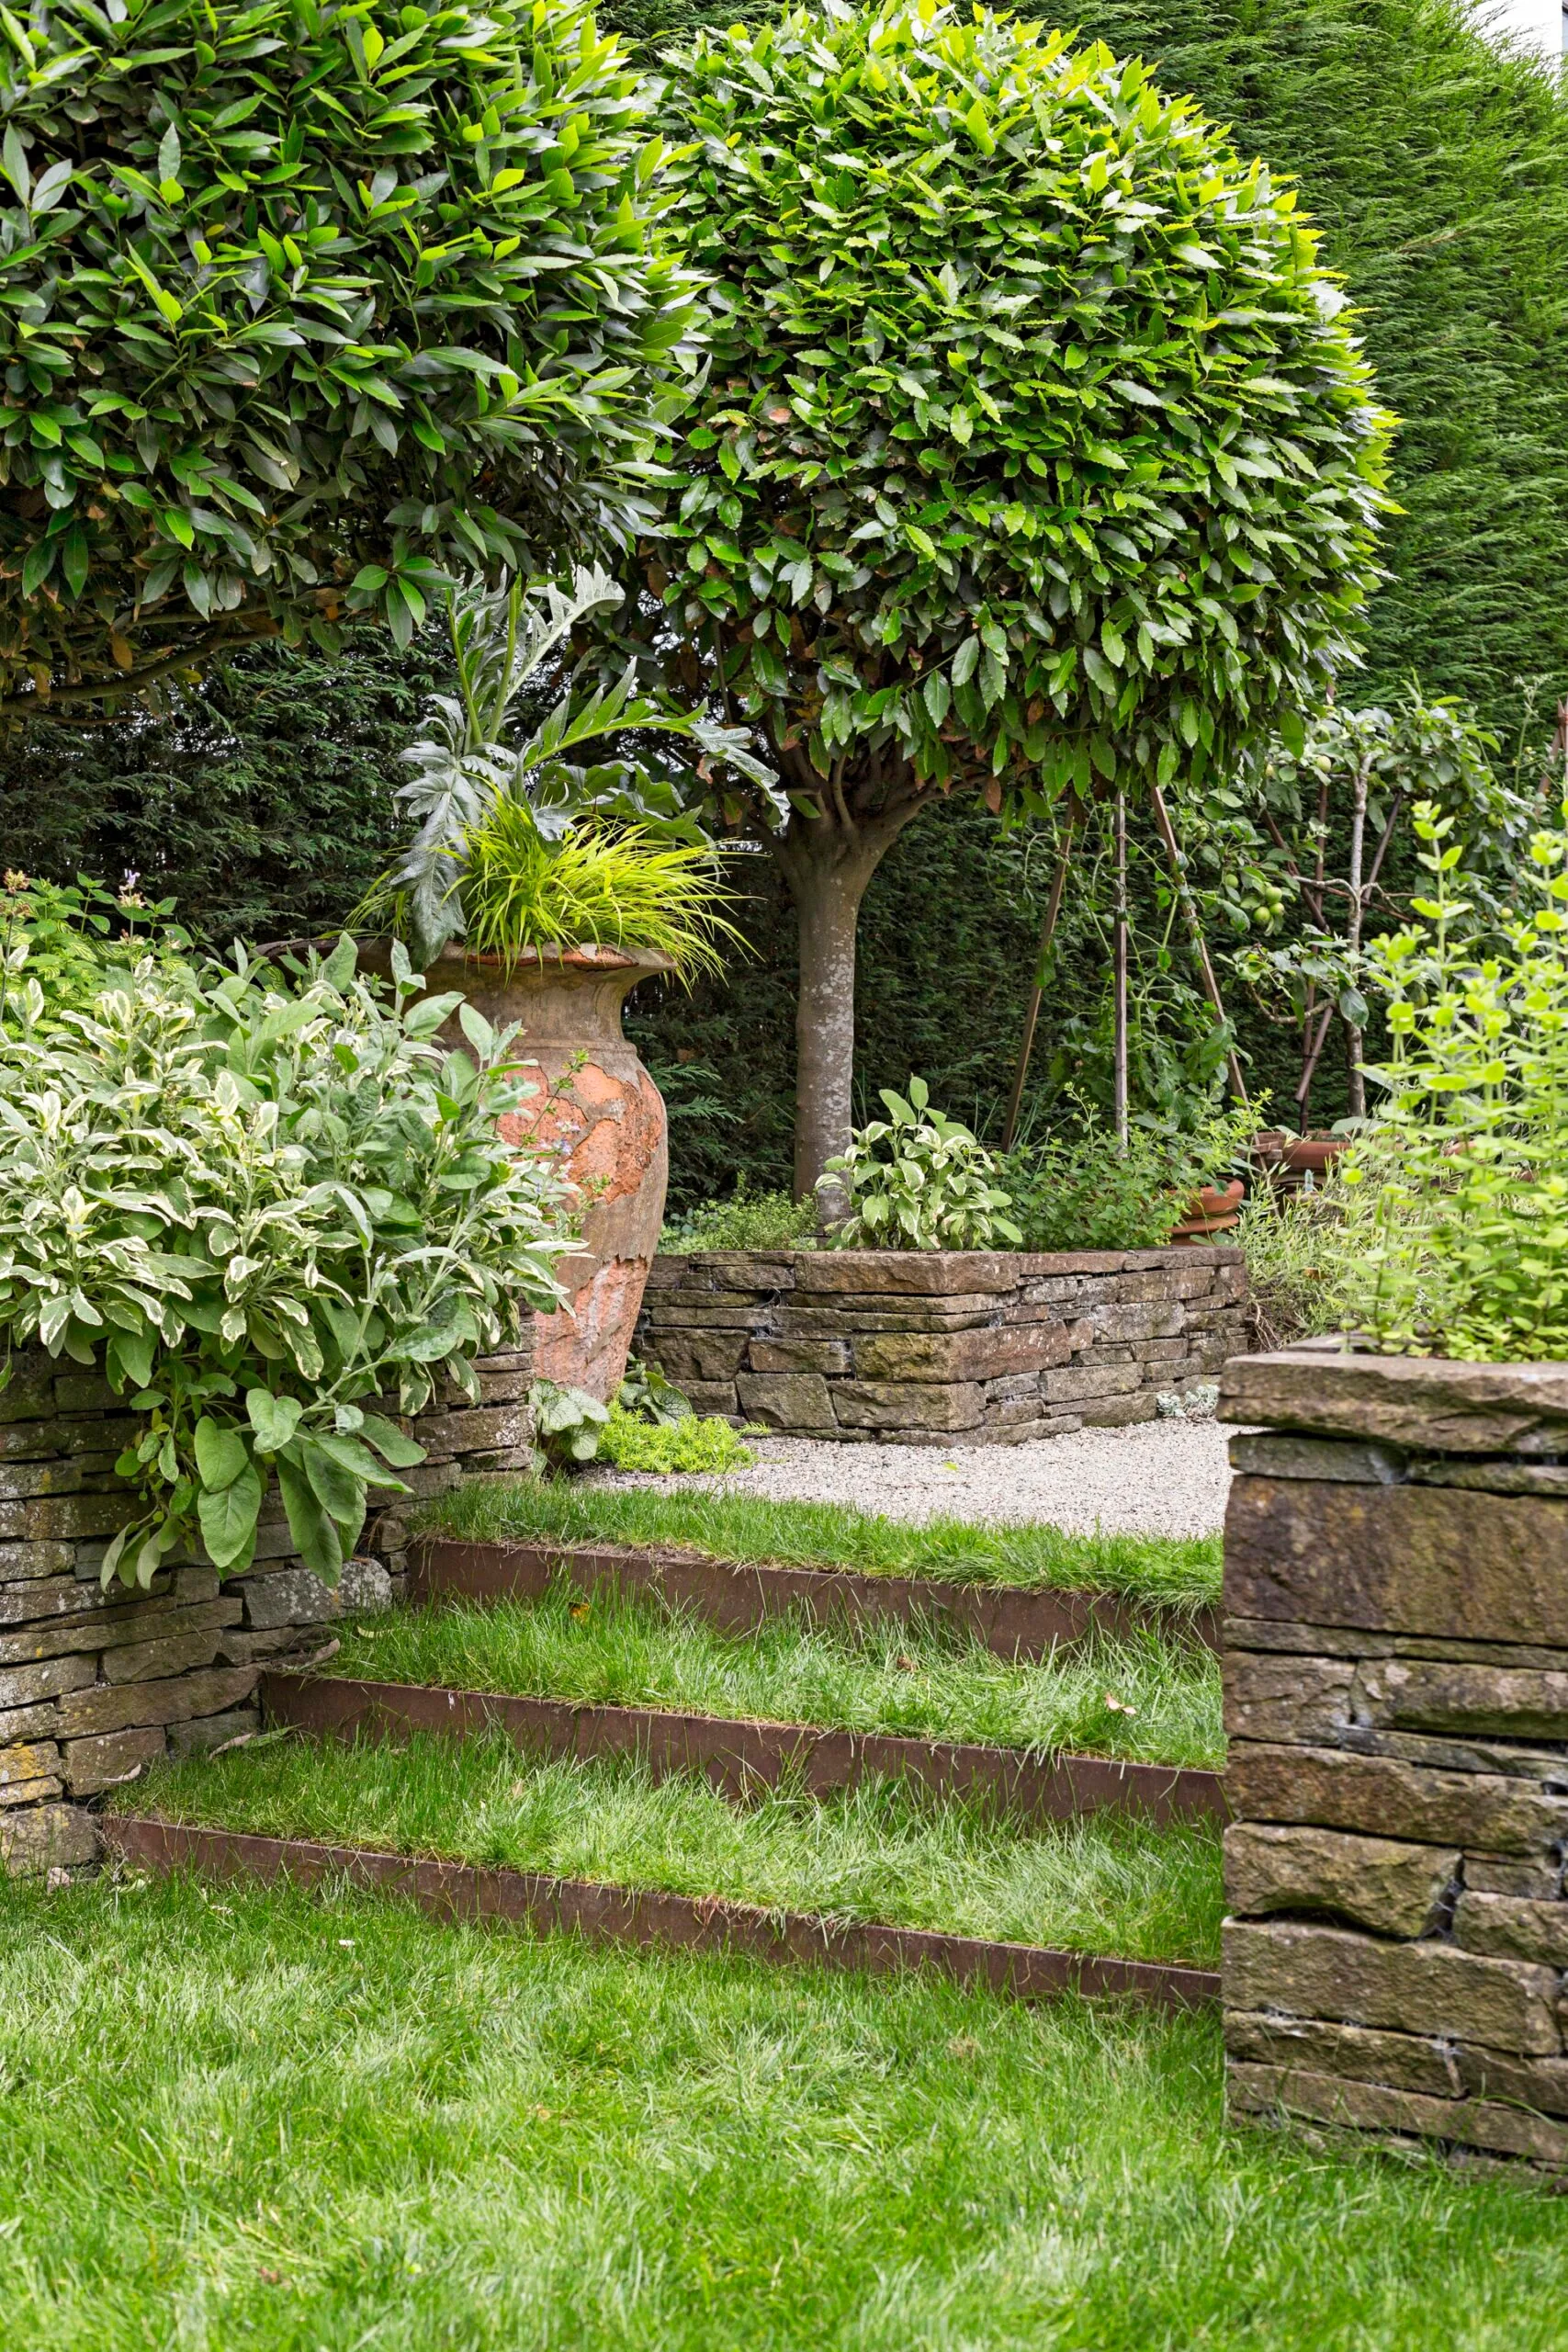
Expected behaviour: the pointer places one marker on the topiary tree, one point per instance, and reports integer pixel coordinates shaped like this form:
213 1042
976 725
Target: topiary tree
1035 457
301 302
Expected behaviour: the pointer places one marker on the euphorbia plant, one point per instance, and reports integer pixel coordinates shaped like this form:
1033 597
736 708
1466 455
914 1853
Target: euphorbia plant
271 1210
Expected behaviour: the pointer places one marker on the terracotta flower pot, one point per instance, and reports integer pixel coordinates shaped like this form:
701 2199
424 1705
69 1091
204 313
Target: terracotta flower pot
607 1122
1289 1159
1213 1209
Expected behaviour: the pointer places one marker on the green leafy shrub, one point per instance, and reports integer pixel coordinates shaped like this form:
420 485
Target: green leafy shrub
747 1220
262 1204
1080 1191
70 936
306 301
694 1444
1018 369
1472 1174
917 1179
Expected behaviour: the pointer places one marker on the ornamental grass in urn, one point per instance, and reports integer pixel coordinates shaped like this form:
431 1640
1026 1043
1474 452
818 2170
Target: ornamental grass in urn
552 868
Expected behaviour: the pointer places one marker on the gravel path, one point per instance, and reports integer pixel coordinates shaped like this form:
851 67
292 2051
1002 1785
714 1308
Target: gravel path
1157 1478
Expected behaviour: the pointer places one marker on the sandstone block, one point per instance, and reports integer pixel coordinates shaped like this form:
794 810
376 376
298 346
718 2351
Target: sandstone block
365 1587
1369 2107
984 1354
473 1430
200 1738
103 1762
1273 1453
1285 1698
30 1561
915 1405
28 1395
1506 1928
1120 1412
785 1400
1403 2061
116 1706
153 1661
1538 1880
59 1518
1418 1559
73 1473
27 1723
84 1392
24 1686
1328 1789
682 1314
1539 2083
1422 1988
1127 1319
287 1596
112 1628
712 1397
1424 1404
42 1791
28 1759
826 1356
1429 1695
47 1837
908 1272
685 1356
1380 1883
1077 1384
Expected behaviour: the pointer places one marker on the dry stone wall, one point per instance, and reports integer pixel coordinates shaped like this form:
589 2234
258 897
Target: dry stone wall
943 1347
1396 1701
96 1685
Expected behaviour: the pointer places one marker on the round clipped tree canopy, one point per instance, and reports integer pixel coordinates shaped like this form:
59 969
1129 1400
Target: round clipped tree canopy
301 302
1035 447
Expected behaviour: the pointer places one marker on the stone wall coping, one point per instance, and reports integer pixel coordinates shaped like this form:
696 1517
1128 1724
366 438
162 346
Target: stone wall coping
937 1273
1428 1404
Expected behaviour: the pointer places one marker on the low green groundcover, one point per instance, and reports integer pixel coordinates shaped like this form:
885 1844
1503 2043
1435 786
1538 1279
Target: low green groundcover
1106 1884
1145 1698
267 2121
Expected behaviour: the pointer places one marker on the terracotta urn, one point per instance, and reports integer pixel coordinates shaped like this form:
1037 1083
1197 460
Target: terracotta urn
1214 1208
1289 1160
606 1119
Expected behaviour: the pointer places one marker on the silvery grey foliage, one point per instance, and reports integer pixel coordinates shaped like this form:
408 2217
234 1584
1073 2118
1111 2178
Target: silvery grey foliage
463 763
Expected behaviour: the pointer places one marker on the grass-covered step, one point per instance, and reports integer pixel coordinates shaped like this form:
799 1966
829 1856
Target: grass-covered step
739 1756
1143 1698
1177 1575
1110 1883
541 1903
263 2119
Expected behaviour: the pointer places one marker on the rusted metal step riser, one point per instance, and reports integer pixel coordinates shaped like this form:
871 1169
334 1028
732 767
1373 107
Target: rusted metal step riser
742 1757
1009 1620
461 1890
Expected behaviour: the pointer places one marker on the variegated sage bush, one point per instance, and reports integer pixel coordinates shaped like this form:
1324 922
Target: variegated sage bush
263 1204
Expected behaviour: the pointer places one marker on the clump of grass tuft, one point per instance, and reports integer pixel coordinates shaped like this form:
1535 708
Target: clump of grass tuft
617 888
1177 1573
1143 1699
1110 1883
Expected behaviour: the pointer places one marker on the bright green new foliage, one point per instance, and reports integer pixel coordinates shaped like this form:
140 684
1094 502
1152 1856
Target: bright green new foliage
615 888
919 1179
265 1209
304 301
1472 1152
1034 442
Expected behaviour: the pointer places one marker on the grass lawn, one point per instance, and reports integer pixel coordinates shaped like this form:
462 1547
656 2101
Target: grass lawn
1108 1883
267 2122
927 1679
1183 1573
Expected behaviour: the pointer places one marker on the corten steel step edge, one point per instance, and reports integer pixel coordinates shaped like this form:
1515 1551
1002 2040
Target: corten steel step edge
610 1913
740 1754
1012 1620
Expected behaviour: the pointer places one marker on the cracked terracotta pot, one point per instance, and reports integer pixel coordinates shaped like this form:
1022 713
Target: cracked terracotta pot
607 1122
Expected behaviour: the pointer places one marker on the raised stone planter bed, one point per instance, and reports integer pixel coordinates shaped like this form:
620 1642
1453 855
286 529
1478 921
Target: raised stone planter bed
94 1685
1396 1701
945 1346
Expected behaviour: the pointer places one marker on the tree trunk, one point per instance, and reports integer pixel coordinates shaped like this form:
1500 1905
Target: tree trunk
1355 1082
828 867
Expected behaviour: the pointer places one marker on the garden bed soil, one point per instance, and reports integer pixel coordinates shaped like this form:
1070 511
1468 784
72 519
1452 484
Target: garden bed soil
601 1913
1011 1620
742 1756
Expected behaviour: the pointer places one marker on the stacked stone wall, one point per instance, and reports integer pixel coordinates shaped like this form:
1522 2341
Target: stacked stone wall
96 1685
1396 1702
943 1347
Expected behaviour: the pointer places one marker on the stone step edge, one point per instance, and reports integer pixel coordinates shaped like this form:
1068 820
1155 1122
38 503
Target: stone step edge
1011 1620
602 1911
740 1753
